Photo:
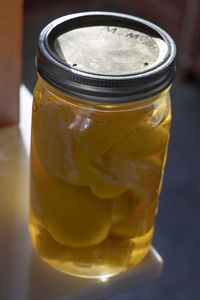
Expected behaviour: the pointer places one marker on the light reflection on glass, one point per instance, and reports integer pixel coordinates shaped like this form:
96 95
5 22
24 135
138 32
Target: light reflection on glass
104 278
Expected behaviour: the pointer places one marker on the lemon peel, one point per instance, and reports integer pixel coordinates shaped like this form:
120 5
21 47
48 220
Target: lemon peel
53 143
97 131
73 215
100 187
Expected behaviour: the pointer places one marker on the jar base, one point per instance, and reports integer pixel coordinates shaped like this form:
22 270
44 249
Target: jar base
87 271
110 258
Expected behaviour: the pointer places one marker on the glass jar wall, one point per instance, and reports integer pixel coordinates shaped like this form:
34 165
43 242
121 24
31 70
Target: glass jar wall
96 175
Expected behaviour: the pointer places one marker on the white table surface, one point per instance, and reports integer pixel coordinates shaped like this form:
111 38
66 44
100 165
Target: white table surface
23 275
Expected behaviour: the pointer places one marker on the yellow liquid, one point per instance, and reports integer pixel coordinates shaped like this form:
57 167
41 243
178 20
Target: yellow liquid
95 182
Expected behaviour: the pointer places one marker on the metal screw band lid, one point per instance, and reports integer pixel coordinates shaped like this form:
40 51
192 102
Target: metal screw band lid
107 57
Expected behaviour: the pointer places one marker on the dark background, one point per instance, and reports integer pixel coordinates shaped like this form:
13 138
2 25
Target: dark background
177 236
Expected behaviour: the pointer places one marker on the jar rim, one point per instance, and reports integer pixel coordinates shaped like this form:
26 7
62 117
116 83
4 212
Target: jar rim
104 87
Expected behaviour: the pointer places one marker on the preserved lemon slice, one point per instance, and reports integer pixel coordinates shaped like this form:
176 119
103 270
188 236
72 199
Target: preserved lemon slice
111 252
100 187
140 144
123 206
97 131
141 175
136 224
73 215
157 114
53 143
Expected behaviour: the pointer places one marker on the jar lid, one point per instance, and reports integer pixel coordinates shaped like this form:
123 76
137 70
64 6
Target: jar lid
107 57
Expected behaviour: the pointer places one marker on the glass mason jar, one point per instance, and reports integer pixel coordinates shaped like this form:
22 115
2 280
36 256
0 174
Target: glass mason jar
100 131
